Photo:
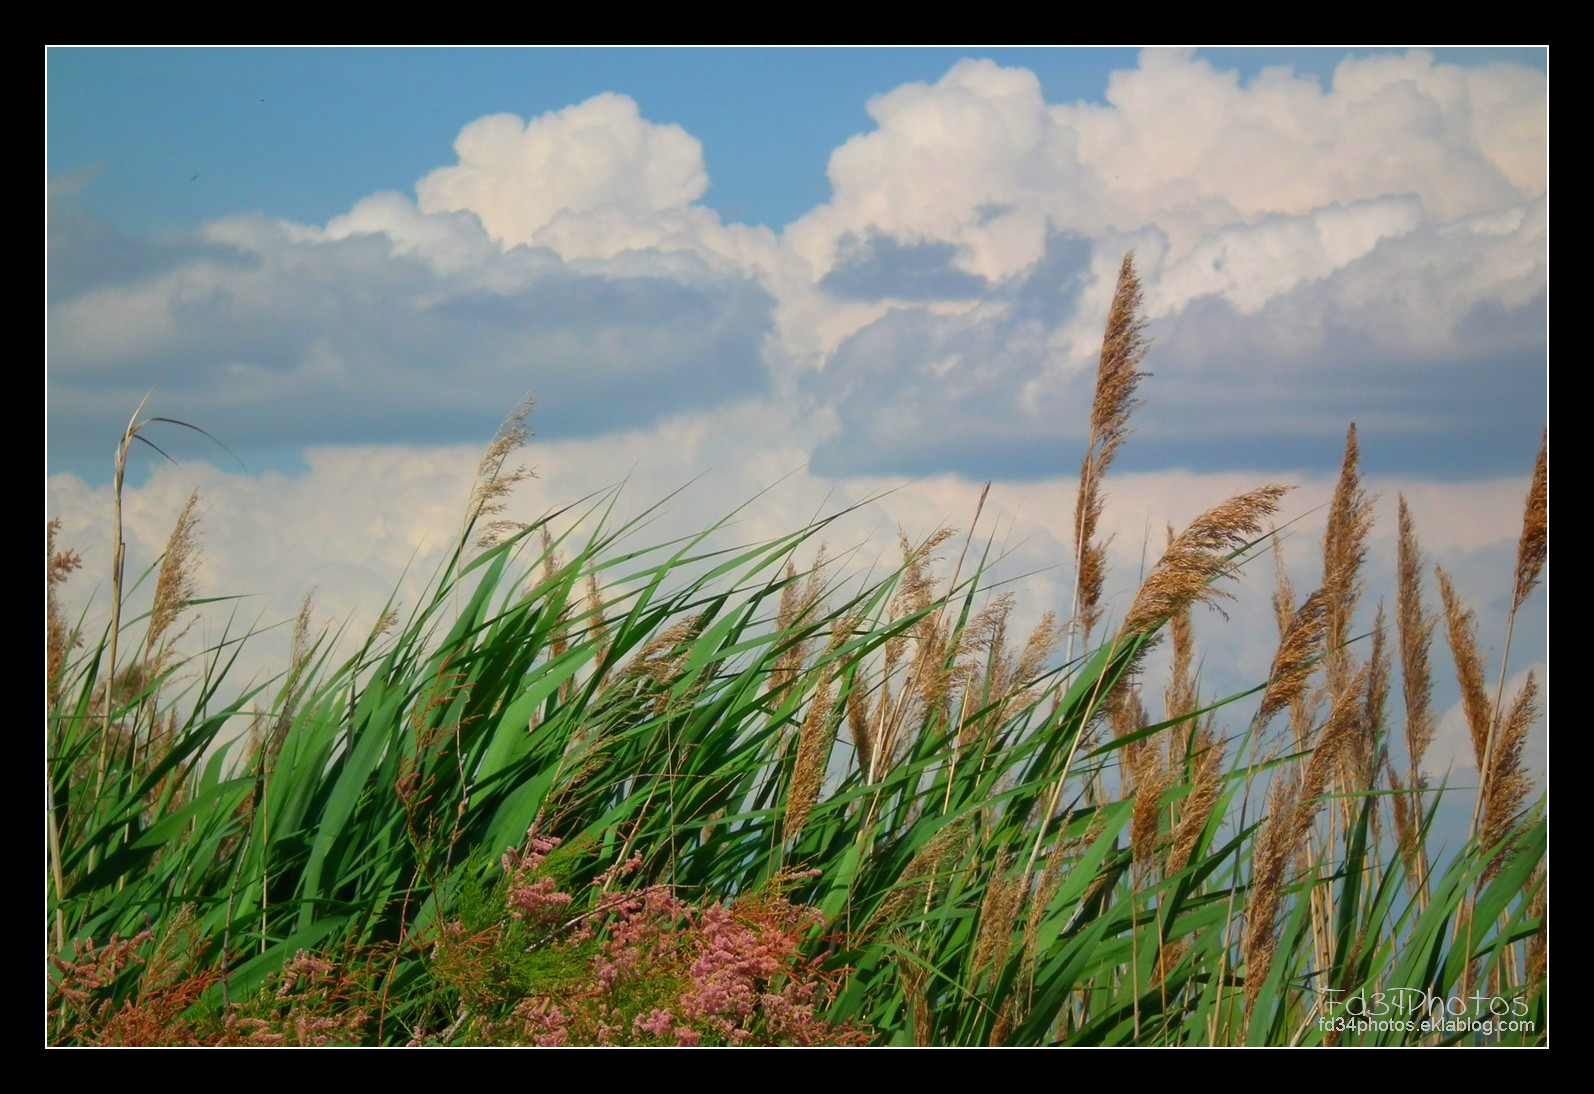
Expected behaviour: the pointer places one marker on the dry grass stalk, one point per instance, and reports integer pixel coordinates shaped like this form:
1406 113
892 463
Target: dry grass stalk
174 584
1534 546
1205 788
1293 802
1365 754
58 637
1532 551
1283 590
559 633
597 626
661 662
1179 700
1300 645
1350 518
1146 816
495 481
1415 627
991 679
552 563
1461 629
1123 349
1004 893
1508 784
1200 555
860 724
265 741
1406 810
945 848
1270 859
798 600
922 695
1340 735
815 738
1377 694
1539 943
1144 776
913 976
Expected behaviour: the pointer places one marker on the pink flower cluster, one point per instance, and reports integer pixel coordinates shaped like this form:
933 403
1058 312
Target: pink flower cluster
533 897
666 972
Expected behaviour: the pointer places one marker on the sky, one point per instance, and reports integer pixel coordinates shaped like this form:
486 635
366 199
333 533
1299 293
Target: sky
804 277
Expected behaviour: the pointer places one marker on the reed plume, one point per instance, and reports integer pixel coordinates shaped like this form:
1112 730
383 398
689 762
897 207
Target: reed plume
1197 557
1533 548
1532 552
1415 629
58 637
1293 802
1461 629
1300 646
1350 518
1507 787
495 480
175 584
1123 349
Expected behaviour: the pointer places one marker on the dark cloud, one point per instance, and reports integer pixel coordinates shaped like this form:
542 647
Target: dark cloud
85 253
878 267
980 394
1443 379
285 339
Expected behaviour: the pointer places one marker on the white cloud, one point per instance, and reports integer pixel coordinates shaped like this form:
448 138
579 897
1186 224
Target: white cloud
1387 232
519 176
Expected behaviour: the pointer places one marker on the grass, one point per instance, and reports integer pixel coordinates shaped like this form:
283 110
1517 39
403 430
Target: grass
596 790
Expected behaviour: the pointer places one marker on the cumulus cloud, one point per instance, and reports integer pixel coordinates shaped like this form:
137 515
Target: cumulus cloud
518 177
1379 244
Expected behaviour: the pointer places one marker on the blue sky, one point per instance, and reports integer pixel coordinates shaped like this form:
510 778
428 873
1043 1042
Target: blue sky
840 270
178 136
